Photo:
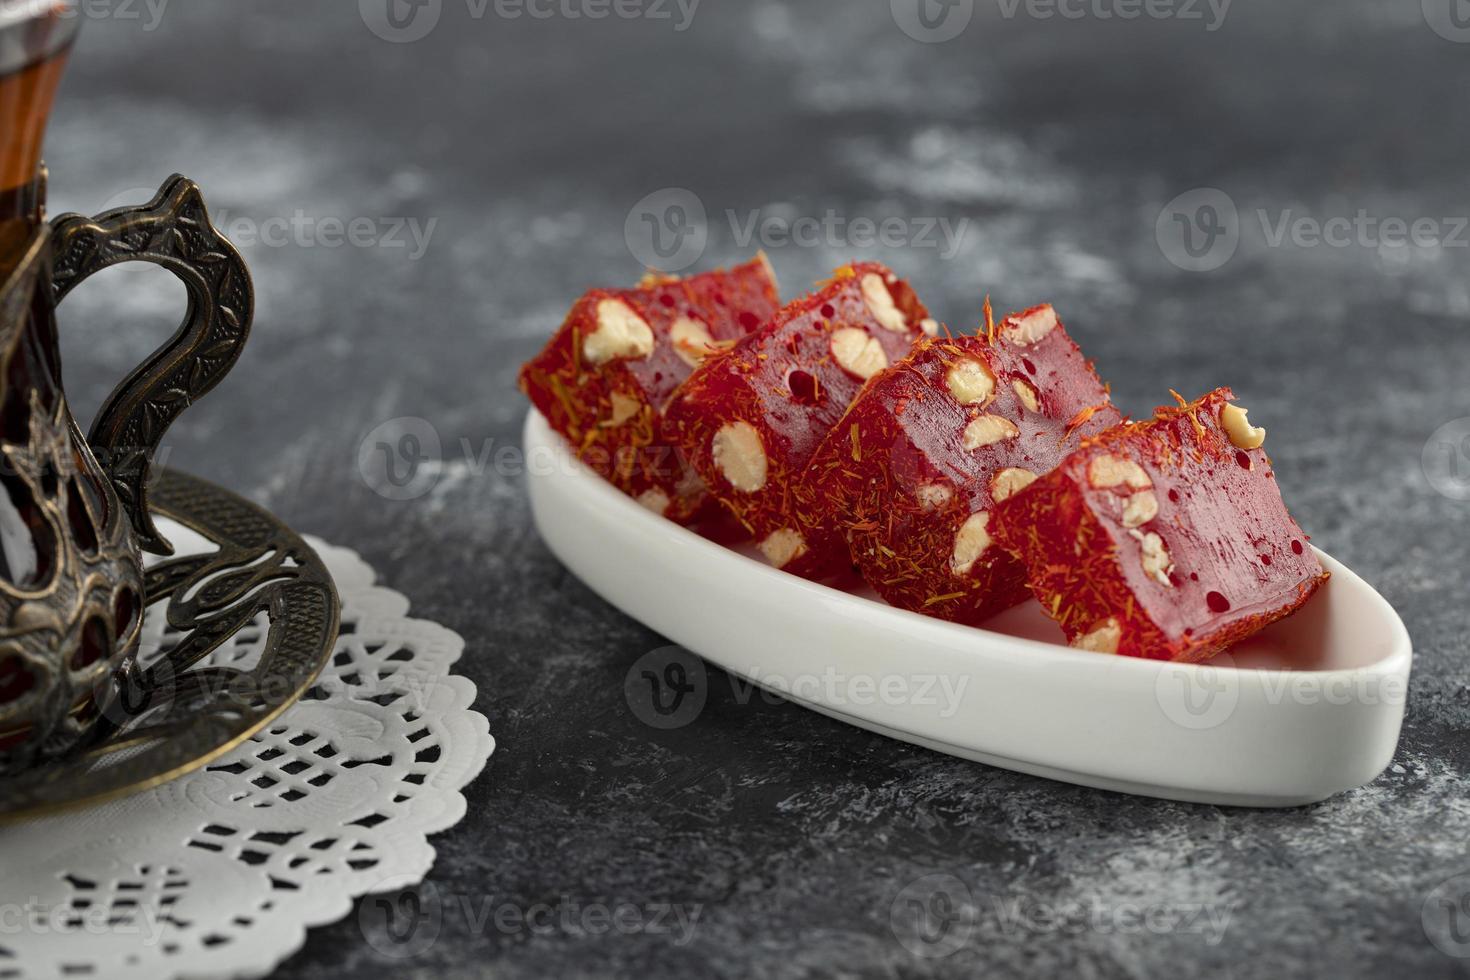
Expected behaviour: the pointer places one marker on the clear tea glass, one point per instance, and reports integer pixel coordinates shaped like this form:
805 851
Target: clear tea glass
35 39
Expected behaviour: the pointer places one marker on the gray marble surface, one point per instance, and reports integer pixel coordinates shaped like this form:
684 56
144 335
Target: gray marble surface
517 146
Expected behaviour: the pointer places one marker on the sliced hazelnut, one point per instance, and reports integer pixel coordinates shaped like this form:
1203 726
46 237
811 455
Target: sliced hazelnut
933 496
970 543
1030 328
1107 471
1026 394
881 305
1141 508
765 261
987 430
1243 435
692 340
857 352
624 407
970 382
620 332
1103 638
655 500
1156 561
653 278
740 456
1009 482
782 547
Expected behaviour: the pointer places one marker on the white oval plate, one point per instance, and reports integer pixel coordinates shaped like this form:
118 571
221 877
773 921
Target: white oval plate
1307 708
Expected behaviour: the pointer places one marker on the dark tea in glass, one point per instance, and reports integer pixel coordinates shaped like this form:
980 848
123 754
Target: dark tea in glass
35 38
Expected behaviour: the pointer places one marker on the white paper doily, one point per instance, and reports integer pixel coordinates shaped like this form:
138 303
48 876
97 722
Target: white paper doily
220 873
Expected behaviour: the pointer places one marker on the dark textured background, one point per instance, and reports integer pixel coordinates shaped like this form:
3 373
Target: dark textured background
530 140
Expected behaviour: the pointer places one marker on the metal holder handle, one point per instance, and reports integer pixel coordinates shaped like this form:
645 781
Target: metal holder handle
173 231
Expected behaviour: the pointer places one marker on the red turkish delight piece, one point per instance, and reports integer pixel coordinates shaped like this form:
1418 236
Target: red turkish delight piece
1165 539
749 419
604 379
914 469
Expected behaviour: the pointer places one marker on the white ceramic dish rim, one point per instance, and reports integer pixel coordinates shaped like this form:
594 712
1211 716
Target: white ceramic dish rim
1043 708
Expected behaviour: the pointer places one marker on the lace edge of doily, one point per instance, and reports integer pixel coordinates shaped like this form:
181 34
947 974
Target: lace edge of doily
361 577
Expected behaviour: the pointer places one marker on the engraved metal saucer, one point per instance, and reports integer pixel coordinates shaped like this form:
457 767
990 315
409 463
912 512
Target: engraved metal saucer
181 709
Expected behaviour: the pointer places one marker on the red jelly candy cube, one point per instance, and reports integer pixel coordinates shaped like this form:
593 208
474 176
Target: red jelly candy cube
750 418
1165 539
604 379
913 470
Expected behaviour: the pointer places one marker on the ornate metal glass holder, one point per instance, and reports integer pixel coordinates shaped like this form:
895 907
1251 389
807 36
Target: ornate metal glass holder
178 711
